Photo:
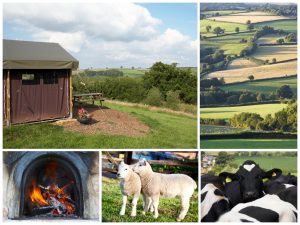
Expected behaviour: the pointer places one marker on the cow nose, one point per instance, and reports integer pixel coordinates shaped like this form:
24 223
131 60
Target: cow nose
250 195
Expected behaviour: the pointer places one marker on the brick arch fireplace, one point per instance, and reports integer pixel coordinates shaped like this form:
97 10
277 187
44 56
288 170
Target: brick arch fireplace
51 184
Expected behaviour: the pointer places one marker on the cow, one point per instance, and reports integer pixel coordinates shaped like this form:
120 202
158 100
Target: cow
269 208
213 203
285 187
248 181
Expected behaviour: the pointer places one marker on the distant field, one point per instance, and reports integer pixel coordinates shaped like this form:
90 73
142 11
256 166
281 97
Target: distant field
229 27
229 112
280 53
221 12
254 17
241 63
212 129
229 43
249 144
286 163
287 25
133 72
259 72
264 86
269 39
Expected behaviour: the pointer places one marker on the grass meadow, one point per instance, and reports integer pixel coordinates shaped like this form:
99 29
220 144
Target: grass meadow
168 207
167 131
229 112
264 86
249 144
228 26
287 25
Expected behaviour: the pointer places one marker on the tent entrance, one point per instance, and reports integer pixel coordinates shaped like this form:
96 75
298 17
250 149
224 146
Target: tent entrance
39 95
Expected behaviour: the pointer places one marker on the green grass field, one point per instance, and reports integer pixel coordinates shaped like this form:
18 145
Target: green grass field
134 73
221 12
229 112
212 129
287 25
229 27
249 144
287 163
167 131
168 207
264 86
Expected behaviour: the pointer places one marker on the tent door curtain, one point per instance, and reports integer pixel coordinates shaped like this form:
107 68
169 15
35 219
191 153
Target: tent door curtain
39 95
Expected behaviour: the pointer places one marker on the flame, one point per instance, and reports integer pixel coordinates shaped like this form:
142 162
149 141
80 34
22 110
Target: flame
36 195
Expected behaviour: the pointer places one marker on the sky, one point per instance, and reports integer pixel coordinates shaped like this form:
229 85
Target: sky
111 35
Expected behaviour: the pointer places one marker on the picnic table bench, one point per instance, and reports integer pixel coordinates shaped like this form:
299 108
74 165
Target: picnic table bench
89 96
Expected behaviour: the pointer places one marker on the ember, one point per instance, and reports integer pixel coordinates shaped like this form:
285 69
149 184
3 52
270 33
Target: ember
51 194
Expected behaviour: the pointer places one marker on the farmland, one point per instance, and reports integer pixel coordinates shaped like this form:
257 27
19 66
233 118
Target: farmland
221 12
168 207
228 112
259 72
254 17
228 26
264 86
249 144
269 39
286 25
241 63
280 53
212 129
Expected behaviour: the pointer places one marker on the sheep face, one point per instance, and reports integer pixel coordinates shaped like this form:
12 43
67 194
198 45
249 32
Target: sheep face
123 170
141 166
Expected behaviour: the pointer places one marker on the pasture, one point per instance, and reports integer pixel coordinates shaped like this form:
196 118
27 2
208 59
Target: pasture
229 112
264 86
241 63
280 53
213 129
269 39
286 25
228 26
254 17
168 207
164 133
249 144
286 163
221 12
259 72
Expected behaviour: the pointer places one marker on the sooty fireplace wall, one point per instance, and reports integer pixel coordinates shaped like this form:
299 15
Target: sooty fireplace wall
51 184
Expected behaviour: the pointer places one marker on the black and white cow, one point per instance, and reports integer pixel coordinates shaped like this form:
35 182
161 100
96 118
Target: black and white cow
248 181
285 187
269 208
213 203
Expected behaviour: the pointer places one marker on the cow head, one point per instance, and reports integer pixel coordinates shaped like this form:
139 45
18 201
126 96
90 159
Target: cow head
250 179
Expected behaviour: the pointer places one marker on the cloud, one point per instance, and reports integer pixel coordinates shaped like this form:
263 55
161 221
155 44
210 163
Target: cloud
103 34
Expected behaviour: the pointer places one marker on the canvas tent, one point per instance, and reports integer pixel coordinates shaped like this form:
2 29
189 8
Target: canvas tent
36 81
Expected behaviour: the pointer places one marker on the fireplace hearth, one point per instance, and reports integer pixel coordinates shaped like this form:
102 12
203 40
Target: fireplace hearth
51 185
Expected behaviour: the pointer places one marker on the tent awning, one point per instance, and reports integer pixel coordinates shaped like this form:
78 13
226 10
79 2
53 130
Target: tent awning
36 55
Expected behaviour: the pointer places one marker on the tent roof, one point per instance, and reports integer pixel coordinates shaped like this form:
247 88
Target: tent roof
36 55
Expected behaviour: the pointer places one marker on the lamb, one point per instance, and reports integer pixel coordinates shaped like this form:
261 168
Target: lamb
155 185
130 184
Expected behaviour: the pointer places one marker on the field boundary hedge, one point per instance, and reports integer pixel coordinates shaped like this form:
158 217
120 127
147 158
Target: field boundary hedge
227 34
290 43
249 135
241 104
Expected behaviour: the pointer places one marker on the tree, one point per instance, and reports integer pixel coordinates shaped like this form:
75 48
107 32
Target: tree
237 29
172 100
153 97
267 61
250 27
280 41
222 158
291 37
274 60
208 27
260 97
285 92
248 22
251 77
218 31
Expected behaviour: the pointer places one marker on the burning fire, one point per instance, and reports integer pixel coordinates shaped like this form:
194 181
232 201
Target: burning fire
52 198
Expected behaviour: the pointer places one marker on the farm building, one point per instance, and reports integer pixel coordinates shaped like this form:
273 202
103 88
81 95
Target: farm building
36 81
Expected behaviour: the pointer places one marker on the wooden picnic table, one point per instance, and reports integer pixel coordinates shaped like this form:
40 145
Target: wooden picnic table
89 96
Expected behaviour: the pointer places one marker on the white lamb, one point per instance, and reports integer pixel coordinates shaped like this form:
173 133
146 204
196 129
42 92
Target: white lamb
155 185
130 184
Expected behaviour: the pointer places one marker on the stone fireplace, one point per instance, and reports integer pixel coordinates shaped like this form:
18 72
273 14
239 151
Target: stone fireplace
51 184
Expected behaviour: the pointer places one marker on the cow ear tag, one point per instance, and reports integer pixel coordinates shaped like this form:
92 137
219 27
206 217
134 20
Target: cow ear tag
228 179
274 174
